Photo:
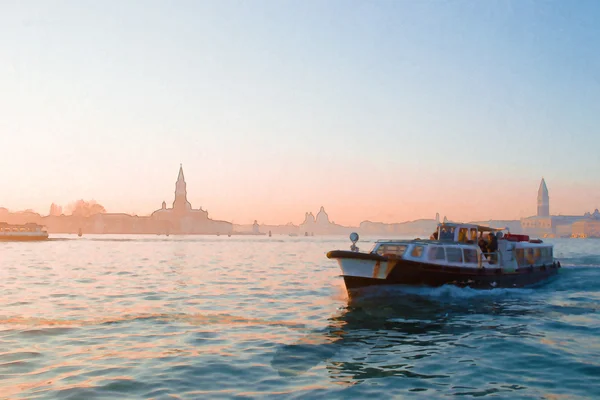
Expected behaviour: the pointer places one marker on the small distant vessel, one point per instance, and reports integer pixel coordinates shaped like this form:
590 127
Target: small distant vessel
452 259
22 233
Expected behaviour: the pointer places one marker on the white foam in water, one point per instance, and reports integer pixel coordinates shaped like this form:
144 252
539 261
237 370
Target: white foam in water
446 291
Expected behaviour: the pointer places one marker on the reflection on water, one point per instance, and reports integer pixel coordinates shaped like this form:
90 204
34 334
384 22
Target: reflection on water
437 340
200 317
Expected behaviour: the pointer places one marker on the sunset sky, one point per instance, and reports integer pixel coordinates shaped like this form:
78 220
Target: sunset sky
379 110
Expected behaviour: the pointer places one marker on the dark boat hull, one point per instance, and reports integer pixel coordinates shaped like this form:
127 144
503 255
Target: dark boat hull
405 272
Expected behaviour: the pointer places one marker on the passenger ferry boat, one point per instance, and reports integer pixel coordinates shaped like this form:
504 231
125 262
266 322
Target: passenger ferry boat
454 257
22 233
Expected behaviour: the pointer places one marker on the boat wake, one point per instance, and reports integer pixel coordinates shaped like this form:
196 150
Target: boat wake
448 292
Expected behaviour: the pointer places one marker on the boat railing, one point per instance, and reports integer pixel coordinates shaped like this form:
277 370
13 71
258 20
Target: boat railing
494 258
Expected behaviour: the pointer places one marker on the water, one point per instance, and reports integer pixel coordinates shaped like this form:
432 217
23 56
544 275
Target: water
200 317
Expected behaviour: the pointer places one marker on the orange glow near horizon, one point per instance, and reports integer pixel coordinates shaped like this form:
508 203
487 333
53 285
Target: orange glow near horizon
349 203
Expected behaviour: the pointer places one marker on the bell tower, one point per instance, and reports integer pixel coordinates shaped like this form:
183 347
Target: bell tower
180 203
543 200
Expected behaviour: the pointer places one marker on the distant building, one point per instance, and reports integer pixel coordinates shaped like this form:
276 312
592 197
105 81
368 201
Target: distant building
321 225
55 210
545 224
322 217
586 228
543 200
308 225
182 218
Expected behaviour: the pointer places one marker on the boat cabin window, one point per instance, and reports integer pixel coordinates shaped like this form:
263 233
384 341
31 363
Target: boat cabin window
436 253
473 235
470 256
417 251
547 255
396 249
529 257
446 233
520 257
534 256
463 234
454 254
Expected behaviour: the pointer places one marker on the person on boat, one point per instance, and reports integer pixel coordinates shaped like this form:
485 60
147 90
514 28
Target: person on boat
462 235
482 243
492 247
434 236
447 233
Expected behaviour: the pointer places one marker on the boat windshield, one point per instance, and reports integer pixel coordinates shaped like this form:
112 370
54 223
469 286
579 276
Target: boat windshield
395 249
447 233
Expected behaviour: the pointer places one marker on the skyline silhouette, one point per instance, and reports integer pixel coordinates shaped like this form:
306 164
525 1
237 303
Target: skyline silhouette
182 218
90 207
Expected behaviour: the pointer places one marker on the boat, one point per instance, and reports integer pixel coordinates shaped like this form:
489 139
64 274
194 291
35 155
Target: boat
452 256
22 233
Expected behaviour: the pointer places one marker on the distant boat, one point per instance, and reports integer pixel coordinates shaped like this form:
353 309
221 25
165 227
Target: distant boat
22 233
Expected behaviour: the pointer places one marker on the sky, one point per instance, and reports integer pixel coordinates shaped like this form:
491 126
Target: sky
377 110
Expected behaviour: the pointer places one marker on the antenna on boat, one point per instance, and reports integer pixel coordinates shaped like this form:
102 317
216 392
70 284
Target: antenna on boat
354 239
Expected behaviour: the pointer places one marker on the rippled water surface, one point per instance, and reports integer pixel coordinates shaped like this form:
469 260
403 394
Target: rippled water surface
217 317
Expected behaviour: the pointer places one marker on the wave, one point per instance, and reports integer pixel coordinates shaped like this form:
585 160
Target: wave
580 261
194 319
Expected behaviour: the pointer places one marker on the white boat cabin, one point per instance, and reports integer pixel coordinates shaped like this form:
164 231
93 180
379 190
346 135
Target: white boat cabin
29 229
466 245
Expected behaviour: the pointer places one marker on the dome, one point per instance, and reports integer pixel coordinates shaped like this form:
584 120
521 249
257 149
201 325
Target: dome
322 217
309 218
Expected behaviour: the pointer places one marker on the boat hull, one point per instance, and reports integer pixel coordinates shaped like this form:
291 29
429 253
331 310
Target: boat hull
363 270
23 238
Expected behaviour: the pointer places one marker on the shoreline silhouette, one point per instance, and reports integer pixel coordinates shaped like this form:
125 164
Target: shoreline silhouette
89 217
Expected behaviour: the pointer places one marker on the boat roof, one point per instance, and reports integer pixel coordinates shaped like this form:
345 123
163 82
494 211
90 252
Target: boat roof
445 243
480 228
2 223
421 242
26 225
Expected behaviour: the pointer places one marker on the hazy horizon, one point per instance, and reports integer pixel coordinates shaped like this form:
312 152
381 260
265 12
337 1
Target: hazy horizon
385 111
